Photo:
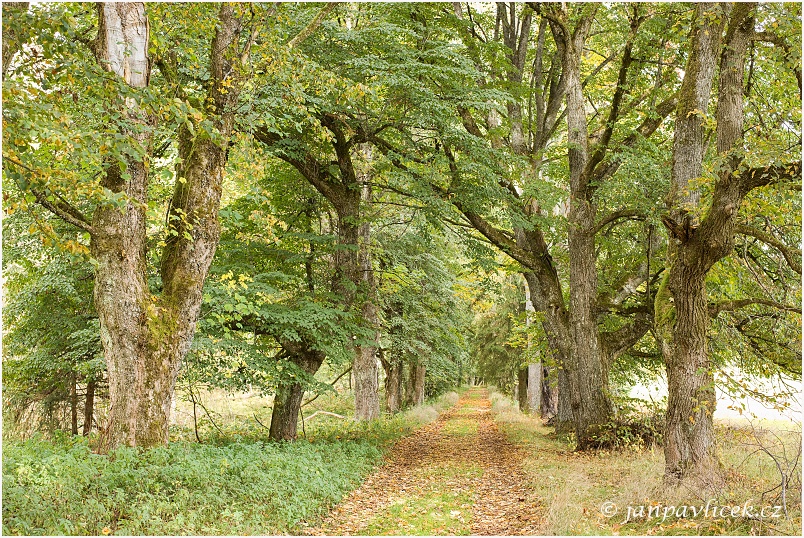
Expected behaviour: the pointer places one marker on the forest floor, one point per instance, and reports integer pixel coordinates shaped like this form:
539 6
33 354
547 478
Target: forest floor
459 475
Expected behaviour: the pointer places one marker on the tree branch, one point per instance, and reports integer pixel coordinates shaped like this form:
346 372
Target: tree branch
308 166
760 177
631 214
58 206
729 306
791 255
614 112
312 27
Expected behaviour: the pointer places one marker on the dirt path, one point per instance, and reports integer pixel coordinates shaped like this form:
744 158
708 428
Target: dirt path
458 475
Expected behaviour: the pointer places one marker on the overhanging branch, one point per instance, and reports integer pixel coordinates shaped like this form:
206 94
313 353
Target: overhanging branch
58 205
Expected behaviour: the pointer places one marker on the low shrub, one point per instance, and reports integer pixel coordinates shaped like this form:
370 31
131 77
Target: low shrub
61 487
236 483
638 424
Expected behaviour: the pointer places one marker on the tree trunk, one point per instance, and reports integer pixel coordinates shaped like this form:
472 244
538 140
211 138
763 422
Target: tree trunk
89 407
367 398
73 405
534 379
564 421
288 398
535 387
682 314
285 414
393 384
688 433
549 399
146 337
416 385
136 415
522 389
689 441
590 402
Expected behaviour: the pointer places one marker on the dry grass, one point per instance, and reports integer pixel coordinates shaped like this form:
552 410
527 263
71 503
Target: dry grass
574 486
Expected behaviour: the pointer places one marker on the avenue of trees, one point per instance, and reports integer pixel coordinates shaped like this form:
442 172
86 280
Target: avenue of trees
569 198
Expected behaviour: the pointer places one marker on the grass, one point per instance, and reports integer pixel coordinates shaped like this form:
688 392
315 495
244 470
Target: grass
575 486
235 483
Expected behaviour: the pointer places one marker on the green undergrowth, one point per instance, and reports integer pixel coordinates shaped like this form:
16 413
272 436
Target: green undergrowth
235 483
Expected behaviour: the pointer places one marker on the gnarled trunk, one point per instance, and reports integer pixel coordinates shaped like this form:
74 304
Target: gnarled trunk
688 428
136 412
689 441
146 337
682 314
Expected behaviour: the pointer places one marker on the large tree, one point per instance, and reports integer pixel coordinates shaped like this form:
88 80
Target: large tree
719 43
145 335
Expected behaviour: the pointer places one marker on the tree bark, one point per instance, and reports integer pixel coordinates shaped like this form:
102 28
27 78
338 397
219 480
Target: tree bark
549 399
393 383
689 432
590 402
285 413
415 394
564 421
118 245
89 407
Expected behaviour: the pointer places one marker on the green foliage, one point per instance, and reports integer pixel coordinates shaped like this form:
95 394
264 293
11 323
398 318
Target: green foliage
238 488
497 345
51 339
423 317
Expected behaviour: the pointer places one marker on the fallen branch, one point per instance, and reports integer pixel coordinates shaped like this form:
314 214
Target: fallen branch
326 413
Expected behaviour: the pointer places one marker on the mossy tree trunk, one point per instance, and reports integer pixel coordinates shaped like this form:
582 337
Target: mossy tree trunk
145 337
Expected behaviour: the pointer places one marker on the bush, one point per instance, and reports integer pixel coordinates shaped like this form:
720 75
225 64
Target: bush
638 424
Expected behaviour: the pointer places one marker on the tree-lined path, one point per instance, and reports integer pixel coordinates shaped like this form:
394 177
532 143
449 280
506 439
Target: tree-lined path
458 475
